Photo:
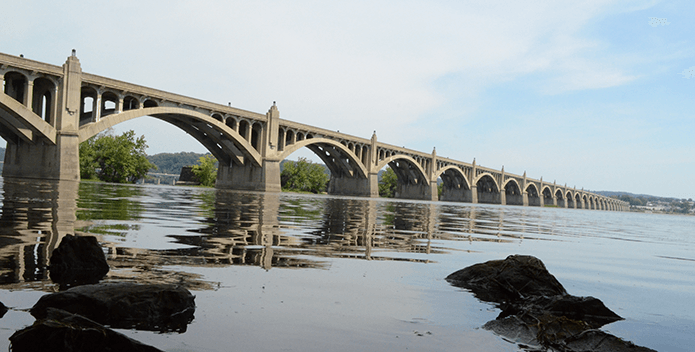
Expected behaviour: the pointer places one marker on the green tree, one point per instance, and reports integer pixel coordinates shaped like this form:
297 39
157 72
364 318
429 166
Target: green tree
388 183
206 170
303 176
119 159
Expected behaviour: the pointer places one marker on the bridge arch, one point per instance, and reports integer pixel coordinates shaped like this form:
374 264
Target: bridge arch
225 144
487 189
561 198
44 99
413 182
340 160
533 195
455 184
16 84
512 192
547 196
109 103
579 201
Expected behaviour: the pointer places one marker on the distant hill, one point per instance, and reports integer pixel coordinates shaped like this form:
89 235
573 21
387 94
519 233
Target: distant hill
646 197
171 163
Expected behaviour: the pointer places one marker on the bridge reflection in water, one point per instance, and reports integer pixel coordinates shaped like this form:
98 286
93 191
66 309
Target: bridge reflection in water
147 231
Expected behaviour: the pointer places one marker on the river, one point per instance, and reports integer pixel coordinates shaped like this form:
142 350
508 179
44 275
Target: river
290 272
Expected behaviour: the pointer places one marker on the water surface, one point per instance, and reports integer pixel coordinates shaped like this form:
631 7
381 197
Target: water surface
288 272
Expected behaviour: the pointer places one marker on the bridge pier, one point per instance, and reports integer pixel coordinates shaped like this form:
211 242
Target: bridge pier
416 191
456 195
351 186
43 160
250 178
35 157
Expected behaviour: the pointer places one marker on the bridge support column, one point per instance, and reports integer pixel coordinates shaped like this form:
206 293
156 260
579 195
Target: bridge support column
474 194
349 186
503 198
456 194
39 158
44 161
524 198
417 191
250 178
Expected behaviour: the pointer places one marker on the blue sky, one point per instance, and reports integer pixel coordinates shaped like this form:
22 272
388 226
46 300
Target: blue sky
597 94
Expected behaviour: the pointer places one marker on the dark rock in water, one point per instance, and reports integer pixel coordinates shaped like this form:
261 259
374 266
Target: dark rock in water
61 331
125 305
3 310
536 309
78 260
557 333
586 309
513 279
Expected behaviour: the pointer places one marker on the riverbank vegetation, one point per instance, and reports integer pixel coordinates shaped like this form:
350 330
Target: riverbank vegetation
303 176
388 181
111 158
206 170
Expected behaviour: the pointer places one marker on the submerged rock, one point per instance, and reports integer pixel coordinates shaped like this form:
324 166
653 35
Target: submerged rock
125 305
516 278
78 260
61 331
536 309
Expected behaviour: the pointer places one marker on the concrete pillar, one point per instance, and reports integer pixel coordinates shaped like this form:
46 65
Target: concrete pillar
119 105
474 194
46 161
54 106
503 197
419 191
434 191
350 186
524 197
270 134
249 177
29 93
96 107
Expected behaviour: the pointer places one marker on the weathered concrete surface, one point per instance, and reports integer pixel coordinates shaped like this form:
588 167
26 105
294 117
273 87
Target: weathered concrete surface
125 305
78 260
537 313
61 331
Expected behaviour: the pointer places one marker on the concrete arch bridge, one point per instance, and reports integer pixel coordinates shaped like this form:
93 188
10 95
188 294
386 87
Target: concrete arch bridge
46 111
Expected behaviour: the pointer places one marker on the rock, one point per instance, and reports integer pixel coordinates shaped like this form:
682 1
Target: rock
550 332
589 310
3 310
62 331
513 279
78 260
156 307
536 309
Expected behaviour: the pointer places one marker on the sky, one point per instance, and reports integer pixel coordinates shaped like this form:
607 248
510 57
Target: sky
593 94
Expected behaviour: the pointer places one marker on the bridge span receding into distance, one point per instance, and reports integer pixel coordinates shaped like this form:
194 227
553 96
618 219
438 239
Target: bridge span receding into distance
46 111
